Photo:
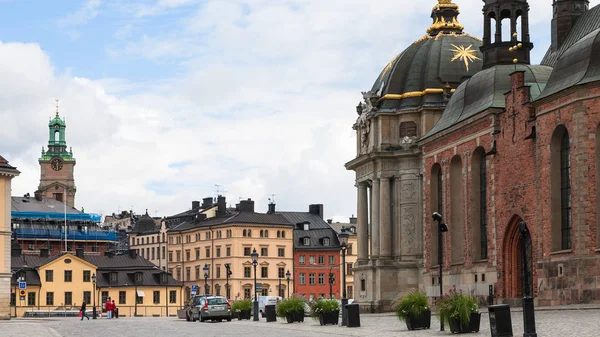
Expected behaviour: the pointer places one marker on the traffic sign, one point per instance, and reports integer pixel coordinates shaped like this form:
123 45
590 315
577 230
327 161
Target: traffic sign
259 287
194 289
22 292
22 285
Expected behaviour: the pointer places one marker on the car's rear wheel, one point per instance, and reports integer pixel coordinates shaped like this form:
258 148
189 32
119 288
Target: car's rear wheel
201 318
219 320
228 319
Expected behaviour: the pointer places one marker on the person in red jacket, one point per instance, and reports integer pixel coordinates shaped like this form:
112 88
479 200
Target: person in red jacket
108 309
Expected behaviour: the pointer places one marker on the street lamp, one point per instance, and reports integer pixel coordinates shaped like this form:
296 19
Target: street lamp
528 310
227 273
205 278
331 280
288 275
343 237
94 287
441 229
254 256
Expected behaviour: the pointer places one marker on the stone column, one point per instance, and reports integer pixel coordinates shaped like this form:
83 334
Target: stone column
385 221
363 219
375 239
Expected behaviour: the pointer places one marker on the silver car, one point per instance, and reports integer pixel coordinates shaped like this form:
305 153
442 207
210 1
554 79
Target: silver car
214 308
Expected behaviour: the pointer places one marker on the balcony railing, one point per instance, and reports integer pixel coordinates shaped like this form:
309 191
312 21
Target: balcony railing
59 234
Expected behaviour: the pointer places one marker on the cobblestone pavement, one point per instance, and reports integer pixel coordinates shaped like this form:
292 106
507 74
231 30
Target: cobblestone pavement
581 323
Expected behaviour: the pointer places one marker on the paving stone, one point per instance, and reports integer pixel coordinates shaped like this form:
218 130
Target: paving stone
581 323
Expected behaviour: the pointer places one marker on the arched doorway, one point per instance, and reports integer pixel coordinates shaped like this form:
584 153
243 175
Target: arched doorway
513 265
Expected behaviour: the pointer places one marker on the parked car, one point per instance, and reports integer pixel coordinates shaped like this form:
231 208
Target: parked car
192 311
214 308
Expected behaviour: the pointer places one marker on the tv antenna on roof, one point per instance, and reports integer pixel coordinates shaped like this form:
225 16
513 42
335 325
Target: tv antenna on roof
272 198
220 190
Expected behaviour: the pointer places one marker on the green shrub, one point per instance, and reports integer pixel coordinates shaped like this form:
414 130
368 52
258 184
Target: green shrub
289 305
323 305
458 306
241 305
411 304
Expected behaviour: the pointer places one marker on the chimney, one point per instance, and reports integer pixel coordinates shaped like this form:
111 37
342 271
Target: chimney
566 13
316 209
207 202
132 253
79 253
221 205
44 252
195 204
15 249
353 220
329 221
38 195
271 208
246 205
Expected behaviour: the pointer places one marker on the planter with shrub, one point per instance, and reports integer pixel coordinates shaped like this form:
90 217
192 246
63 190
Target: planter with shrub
327 311
242 309
413 308
460 312
292 309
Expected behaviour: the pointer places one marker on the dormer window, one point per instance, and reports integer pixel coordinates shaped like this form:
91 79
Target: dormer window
306 226
138 277
326 242
113 278
353 230
306 241
163 278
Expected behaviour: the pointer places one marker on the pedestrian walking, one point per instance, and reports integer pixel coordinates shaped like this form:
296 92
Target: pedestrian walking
108 308
115 311
83 313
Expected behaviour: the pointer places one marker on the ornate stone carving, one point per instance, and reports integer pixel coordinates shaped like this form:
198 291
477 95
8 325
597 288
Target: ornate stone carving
408 190
409 228
408 129
363 123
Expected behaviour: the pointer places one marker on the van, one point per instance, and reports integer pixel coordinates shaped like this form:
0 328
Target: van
266 300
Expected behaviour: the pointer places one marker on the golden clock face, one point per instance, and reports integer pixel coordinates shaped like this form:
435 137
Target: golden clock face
56 164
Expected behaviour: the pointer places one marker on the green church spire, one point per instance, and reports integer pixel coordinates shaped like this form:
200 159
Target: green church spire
57 144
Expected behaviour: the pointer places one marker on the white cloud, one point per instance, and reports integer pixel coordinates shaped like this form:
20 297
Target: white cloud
83 15
262 102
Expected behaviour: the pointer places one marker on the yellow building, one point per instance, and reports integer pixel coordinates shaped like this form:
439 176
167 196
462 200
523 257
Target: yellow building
57 285
228 238
7 172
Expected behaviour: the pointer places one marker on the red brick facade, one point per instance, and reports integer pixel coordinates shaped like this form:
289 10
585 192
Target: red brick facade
521 185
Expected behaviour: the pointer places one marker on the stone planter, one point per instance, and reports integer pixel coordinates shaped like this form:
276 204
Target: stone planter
244 314
422 321
329 317
473 326
295 317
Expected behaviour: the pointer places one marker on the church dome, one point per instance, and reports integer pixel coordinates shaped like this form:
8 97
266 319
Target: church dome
440 60
144 224
579 64
486 90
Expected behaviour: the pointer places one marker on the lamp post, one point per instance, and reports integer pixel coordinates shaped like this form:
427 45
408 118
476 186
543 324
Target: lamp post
343 237
442 227
528 310
288 275
254 256
94 287
227 274
331 280
205 278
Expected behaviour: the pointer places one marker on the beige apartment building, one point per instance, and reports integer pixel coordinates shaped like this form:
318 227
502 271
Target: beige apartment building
351 254
7 172
201 245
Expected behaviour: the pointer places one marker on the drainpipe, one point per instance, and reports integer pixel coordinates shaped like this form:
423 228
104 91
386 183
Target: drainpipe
212 261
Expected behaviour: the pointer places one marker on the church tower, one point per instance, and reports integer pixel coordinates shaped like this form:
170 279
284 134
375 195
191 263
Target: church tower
57 165
500 47
565 13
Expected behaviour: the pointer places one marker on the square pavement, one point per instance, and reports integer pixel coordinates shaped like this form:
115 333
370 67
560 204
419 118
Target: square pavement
563 323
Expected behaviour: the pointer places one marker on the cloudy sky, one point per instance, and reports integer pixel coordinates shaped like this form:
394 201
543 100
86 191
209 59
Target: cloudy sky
164 99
